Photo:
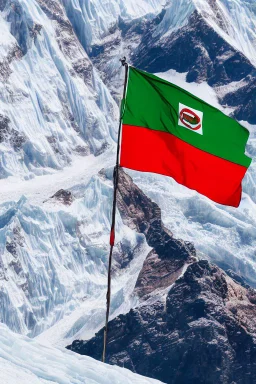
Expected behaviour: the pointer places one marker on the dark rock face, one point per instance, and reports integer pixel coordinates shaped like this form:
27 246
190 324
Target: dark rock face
204 332
201 332
158 273
239 279
196 49
5 70
65 197
15 138
245 99
169 255
4 127
142 214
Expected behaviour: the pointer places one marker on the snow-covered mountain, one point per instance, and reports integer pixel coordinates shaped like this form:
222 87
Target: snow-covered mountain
194 323
53 104
60 86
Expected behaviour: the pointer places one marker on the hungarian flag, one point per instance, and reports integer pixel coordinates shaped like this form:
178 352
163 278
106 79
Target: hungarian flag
169 131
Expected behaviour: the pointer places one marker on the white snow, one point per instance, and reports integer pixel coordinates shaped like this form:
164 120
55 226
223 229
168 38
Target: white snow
40 188
63 253
42 96
176 16
93 19
234 20
25 361
202 90
7 41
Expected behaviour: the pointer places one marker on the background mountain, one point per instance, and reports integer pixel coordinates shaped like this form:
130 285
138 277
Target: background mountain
60 85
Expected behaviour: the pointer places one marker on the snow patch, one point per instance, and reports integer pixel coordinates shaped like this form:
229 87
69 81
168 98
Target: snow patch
24 361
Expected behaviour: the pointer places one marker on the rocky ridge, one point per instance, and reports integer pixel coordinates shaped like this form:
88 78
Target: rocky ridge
200 329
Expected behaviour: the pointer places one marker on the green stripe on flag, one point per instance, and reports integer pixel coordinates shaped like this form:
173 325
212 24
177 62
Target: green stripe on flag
159 105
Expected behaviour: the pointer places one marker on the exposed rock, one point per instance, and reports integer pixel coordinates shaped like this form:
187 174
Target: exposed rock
245 99
102 149
207 56
17 139
239 279
12 245
169 255
67 39
196 49
35 30
64 196
54 143
8 134
4 127
5 70
142 214
16 240
203 331
157 273
82 150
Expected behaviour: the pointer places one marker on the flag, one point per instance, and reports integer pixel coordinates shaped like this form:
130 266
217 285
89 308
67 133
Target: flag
167 130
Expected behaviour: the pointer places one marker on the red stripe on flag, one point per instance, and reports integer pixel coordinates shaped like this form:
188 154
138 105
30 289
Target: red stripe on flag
148 150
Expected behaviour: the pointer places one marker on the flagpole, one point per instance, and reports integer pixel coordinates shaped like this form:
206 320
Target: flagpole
112 233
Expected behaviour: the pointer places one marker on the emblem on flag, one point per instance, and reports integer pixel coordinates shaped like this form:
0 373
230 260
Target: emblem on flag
190 118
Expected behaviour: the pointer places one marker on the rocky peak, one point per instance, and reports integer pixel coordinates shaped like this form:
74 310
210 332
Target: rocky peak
140 213
203 332
169 255
201 329
63 196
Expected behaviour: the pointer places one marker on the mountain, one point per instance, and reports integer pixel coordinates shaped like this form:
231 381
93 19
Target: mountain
201 331
194 323
60 86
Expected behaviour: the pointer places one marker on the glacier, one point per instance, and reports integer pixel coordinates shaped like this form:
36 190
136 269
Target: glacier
92 20
54 111
54 256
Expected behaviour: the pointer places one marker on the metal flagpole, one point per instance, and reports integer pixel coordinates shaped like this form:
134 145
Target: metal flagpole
112 233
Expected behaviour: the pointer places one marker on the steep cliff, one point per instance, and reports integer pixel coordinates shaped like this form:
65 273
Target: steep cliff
194 323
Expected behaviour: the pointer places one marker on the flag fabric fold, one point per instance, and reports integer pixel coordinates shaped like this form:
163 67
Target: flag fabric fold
167 130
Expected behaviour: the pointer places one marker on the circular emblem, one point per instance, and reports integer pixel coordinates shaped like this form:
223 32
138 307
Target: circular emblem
190 119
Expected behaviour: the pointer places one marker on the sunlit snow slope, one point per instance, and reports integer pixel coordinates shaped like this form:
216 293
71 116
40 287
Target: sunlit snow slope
235 20
24 361
53 104
101 16
54 256
56 119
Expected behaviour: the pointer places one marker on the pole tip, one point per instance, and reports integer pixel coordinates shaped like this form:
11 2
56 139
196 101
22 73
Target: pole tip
123 61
